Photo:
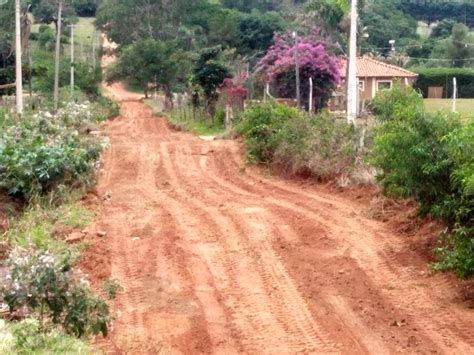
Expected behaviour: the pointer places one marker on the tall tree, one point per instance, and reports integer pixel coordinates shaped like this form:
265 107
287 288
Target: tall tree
459 50
152 62
278 67
210 73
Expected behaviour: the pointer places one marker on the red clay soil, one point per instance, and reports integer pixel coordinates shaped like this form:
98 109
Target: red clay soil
215 257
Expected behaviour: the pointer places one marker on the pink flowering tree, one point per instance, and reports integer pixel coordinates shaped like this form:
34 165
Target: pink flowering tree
278 68
234 92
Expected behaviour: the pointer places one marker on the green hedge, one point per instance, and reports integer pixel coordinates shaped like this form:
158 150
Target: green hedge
444 77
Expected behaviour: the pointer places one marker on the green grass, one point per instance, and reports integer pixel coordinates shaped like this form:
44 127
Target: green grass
25 338
137 89
465 107
203 128
35 226
200 126
85 30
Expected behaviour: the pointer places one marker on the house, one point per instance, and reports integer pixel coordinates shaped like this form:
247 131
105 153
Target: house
373 75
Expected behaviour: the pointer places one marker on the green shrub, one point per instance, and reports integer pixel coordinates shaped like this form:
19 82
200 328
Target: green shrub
318 146
301 144
45 286
260 127
41 151
26 338
458 251
413 160
106 108
444 77
87 79
429 157
398 103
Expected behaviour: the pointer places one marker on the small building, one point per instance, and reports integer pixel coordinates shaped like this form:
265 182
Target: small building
373 75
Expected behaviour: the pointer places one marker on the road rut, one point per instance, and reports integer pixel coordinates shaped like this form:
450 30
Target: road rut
215 257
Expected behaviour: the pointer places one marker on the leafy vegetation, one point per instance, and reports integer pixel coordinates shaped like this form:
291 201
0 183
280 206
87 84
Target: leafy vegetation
299 143
429 157
315 62
25 337
45 284
42 151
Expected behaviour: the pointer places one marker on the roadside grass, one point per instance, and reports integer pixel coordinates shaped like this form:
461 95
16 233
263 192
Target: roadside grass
465 107
36 225
183 119
134 88
24 338
201 128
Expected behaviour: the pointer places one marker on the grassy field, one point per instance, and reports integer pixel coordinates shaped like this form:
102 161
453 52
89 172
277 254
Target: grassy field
84 32
465 107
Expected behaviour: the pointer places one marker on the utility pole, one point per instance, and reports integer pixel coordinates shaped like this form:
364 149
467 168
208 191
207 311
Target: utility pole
455 93
19 74
297 59
58 49
310 95
72 60
94 37
352 85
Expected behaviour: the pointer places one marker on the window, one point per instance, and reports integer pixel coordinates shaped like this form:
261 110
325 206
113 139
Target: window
384 84
361 85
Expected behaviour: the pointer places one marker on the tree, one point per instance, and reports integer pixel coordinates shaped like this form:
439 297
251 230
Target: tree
209 73
7 32
149 61
443 29
45 11
249 5
385 22
431 11
459 49
127 21
328 14
278 67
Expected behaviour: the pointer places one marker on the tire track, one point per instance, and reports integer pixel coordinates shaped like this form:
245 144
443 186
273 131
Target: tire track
311 341
209 258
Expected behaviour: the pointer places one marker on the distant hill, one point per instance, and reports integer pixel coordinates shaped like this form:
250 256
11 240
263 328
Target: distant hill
431 11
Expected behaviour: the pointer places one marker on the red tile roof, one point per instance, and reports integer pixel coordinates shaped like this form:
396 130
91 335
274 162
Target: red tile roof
369 67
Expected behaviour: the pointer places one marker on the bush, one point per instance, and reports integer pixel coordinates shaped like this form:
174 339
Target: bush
260 127
301 144
25 338
458 251
444 77
41 151
429 157
412 158
45 286
88 78
398 103
106 108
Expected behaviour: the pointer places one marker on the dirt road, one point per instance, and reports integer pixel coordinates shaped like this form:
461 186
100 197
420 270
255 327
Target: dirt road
217 258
